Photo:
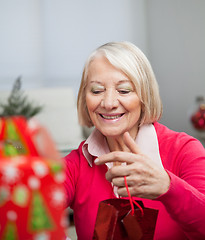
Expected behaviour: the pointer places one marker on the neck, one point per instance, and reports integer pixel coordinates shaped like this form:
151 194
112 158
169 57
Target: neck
116 143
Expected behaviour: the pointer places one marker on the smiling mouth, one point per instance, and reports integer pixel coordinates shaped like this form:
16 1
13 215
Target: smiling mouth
111 117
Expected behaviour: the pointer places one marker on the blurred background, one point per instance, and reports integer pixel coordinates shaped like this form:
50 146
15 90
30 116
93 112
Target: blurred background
47 42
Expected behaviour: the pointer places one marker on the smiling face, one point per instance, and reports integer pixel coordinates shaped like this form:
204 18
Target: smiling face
111 99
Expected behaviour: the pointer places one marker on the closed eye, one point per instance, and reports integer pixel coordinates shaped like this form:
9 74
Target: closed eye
124 91
96 92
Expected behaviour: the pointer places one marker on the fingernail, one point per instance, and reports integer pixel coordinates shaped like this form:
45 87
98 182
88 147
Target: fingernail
96 160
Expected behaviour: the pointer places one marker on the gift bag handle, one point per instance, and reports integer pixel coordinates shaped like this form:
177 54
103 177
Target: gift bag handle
132 201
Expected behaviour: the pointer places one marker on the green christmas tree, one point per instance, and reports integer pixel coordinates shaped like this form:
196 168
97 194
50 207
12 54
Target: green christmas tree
40 218
10 232
13 145
18 104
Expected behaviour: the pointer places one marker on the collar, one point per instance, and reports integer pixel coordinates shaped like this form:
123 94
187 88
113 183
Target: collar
96 144
148 143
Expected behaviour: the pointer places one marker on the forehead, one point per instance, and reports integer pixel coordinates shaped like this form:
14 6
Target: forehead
100 69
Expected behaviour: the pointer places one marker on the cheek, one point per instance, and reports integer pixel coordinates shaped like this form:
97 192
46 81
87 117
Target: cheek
133 105
91 103
136 106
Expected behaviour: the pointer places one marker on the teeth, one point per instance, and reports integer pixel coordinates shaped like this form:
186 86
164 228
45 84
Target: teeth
111 117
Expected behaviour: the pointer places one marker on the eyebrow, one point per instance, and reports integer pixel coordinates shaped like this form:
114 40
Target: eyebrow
95 82
124 81
118 83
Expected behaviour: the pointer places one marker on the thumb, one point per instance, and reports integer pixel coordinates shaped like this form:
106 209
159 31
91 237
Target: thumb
130 143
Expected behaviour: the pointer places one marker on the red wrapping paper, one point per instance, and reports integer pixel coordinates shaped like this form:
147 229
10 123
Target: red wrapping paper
31 183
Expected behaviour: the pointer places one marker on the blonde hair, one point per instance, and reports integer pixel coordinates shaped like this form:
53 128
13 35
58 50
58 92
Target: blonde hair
126 57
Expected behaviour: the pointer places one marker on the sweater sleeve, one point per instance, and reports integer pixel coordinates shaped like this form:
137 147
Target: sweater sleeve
72 172
185 199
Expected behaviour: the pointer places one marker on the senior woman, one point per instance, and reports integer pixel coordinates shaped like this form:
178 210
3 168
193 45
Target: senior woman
119 96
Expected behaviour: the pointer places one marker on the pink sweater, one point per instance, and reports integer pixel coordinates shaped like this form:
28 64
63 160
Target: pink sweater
181 209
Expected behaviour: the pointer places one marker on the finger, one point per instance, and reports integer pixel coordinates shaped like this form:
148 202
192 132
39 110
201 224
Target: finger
122 191
117 172
131 144
116 156
118 181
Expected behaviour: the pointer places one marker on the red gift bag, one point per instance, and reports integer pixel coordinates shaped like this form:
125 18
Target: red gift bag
120 219
31 183
115 221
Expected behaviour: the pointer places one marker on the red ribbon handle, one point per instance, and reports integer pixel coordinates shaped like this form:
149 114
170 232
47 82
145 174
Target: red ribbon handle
132 201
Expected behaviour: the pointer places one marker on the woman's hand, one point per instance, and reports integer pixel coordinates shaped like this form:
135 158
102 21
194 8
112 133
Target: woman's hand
145 179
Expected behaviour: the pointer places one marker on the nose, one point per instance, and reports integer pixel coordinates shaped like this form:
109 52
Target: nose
110 100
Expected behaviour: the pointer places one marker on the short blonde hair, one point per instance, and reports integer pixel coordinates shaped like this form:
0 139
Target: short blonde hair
126 57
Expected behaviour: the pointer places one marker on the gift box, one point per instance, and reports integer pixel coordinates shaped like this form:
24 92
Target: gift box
31 183
117 221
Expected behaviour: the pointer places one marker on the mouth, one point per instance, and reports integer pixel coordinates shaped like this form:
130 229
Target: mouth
111 117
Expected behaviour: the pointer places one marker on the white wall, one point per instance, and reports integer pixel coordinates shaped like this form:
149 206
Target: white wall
47 42
72 29
20 42
176 40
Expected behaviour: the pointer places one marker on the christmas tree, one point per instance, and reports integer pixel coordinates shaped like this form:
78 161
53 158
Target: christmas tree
10 232
18 104
40 218
13 145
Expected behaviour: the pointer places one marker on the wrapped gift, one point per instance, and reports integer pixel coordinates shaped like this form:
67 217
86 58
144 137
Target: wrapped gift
31 183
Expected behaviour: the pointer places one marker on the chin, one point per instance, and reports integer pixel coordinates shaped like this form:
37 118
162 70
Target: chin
112 133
